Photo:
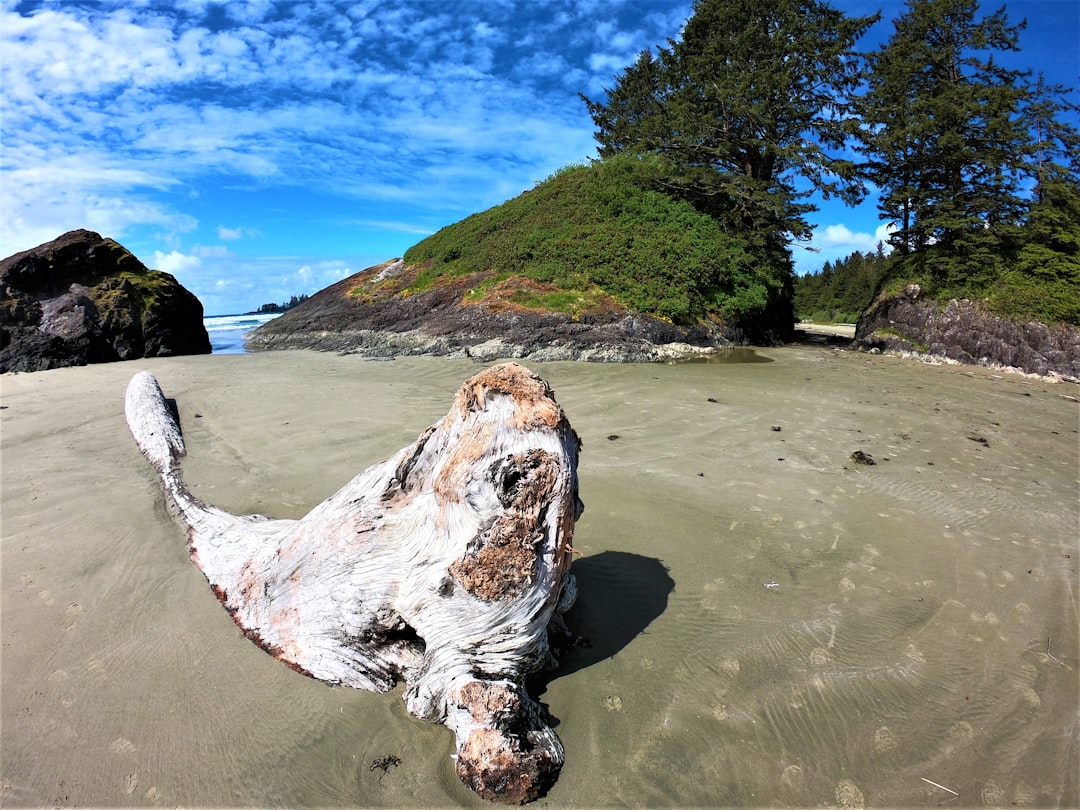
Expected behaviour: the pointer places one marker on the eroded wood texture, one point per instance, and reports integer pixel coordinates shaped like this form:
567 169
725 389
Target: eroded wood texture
441 566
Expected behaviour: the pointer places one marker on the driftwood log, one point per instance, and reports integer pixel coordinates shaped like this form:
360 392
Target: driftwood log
441 566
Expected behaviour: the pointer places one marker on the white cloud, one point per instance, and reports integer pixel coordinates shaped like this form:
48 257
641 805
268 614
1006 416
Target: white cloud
211 251
399 117
226 234
401 227
176 263
837 241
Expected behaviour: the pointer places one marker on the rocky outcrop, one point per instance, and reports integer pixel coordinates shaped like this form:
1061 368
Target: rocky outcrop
967 332
378 313
84 299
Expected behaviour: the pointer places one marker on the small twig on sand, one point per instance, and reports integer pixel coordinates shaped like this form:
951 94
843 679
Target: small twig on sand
1048 655
935 784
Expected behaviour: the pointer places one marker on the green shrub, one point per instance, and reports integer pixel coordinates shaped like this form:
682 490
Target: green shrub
608 225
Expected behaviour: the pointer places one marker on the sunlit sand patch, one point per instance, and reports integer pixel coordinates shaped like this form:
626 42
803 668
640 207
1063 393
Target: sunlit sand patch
912 718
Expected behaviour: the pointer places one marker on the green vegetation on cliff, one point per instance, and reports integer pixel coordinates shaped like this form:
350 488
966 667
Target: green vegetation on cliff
711 144
611 227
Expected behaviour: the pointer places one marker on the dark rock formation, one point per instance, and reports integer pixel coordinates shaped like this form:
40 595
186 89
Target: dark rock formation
376 314
966 331
83 299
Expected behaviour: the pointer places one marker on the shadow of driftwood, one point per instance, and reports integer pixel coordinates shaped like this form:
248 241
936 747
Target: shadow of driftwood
619 595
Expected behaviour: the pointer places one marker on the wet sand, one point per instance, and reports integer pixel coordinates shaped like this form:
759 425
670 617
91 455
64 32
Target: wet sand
771 623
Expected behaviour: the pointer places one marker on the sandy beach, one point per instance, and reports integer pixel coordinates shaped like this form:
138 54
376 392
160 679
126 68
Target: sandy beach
772 624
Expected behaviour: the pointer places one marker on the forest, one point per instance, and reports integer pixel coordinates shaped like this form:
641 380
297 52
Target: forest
841 290
756 107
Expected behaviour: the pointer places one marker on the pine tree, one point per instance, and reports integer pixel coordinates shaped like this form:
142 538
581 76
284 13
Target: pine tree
945 138
751 98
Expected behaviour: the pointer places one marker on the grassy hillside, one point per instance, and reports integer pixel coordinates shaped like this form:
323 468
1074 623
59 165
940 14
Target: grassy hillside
606 229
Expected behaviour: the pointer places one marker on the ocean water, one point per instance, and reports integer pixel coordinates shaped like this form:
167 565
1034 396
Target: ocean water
228 332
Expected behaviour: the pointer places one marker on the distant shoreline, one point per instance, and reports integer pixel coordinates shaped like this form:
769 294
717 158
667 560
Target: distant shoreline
845 330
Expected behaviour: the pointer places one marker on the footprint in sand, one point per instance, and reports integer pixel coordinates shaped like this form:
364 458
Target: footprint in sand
122 746
847 585
1025 795
992 795
132 783
730 666
1030 697
819 656
884 740
613 703
47 598
849 796
961 732
915 654
792 776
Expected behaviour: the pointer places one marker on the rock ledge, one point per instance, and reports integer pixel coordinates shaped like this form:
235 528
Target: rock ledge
84 299
967 332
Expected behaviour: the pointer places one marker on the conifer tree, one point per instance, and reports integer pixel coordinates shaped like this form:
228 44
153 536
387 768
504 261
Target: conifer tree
948 131
751 98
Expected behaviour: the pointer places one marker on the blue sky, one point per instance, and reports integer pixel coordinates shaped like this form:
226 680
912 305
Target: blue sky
260 149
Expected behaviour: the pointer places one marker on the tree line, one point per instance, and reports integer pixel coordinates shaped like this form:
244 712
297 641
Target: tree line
841 290
267 309
977 166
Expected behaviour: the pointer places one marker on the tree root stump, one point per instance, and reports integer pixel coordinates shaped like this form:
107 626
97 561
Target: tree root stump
440 567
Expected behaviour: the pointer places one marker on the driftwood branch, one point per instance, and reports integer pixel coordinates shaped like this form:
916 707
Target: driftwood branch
441 566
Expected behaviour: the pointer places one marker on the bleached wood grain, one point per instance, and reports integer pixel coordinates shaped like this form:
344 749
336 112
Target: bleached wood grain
441 566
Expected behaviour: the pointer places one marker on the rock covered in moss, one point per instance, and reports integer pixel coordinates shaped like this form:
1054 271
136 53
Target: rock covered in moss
86 299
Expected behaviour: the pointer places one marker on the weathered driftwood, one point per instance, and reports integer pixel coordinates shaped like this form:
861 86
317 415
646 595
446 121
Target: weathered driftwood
441 566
